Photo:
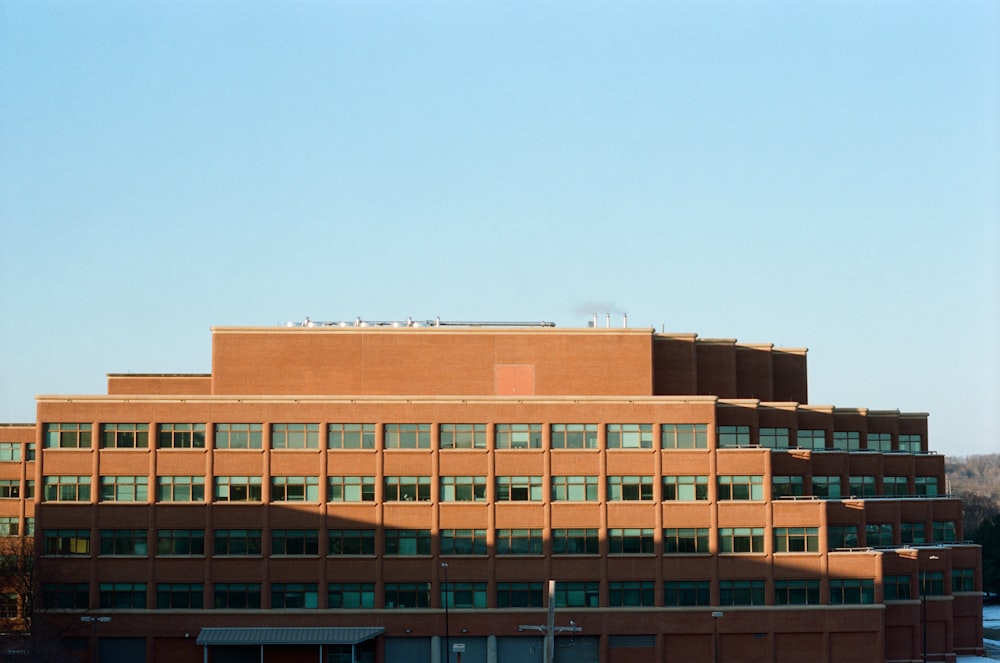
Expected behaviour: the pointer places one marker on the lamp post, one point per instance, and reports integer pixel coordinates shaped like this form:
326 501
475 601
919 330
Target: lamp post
94 621
447 630
923 609
716 616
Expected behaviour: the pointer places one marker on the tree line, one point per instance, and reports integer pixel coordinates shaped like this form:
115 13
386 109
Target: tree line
976 480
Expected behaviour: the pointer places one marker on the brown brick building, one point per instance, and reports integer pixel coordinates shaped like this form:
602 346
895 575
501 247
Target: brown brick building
391 492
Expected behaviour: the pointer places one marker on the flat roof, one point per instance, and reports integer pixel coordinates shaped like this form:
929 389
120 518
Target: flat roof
288 636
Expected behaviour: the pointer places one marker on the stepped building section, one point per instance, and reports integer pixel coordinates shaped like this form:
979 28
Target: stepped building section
405 493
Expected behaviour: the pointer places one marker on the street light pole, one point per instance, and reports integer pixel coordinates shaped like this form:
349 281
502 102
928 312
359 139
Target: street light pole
94 621
923 609
447 630
716 615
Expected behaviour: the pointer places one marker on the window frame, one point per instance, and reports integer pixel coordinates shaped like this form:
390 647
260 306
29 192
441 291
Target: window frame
294 436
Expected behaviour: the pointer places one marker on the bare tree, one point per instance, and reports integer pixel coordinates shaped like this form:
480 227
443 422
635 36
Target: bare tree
30 632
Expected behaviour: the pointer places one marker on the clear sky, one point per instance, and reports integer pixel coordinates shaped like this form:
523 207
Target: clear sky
812 174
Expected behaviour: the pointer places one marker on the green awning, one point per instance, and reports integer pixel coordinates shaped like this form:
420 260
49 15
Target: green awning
288 636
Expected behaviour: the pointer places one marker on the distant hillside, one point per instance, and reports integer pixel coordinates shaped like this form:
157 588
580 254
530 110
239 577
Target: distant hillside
975 479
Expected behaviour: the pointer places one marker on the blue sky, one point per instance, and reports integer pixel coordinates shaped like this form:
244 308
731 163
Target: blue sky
812 174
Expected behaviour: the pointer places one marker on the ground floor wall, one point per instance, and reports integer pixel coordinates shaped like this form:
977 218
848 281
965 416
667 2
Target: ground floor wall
819 634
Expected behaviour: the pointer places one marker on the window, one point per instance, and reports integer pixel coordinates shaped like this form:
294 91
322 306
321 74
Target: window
29 526
350 596
519 542
407 542
630 541
798 591
630 436
237 542
463 489
237 489
519 436
464 594
879 534
574 436
67 436
574 488
879 442
125 436
463 542
462 436
811 439
912 533
945 531
519 595
519 489
741 539
29 489
10 489
66 595
677 593
407 489
407 436
963 580
294 595
861 486
294 542
352 541
734 436
124 542
170 542
125 489
294 489
66 541
407 595
683 540
10 526
911 443
826 486
31 452
351 489
180 596
741 487
236 595
180 489
796 539
895 486
10 452
842 536
896 588
351 436
622 594
181 436
684 436
846 440
630 488
685 488
295 436
67 489
575 542
122 595
852 591
787 486
926 486
577 594
741 592
774 438
932 583
238 436
8 605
